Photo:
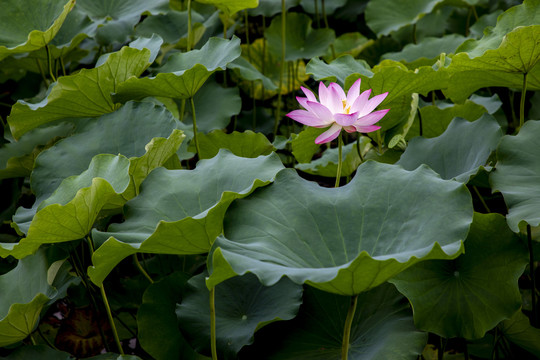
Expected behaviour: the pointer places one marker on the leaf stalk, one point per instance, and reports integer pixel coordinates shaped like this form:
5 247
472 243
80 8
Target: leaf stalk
347 329
213 344
195 127
522 102
340 161
281 65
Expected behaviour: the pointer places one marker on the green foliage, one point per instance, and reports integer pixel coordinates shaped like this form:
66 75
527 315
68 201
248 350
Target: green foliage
459 153
243 303
516 170
382 328
27 27
345 249
126 231
445 294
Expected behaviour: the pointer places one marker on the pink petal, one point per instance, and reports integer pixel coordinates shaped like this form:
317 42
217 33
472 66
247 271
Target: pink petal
373 103
309 94
349 129
335 98
304 102
360 101
305 117
322 112
346 119
354 92
339 91
367 129
329 134
323 94
371 118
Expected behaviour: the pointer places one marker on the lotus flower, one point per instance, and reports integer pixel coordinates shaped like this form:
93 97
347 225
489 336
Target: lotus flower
352 112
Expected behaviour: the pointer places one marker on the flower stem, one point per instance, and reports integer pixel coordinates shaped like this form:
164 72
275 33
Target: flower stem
317 13
213 323
225 23
484 204
281 65
111 320
358 150
49 61
195 127
340 161
252 83
32 340
522 103
141 269
182 109
347 329
534 321
107 306
189 29
325 19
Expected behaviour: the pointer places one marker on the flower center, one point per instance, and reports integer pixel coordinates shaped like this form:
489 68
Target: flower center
345 108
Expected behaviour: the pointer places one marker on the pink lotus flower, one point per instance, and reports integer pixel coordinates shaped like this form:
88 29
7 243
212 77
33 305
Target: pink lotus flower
351 112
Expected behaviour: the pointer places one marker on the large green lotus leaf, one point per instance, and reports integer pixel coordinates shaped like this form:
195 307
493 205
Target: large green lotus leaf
395 78
158 152
385 16
270 8
41 352
506 65
390 76
249 72
459 153
158 333
30 25
301 40
339 69
326 165
263 60
243 306
184 73
517 167
152 43
117 18
303 144
84 94
181 211
348 44
518 330
526 14
231 6
484 21
171 26
117 9
470 295
427 51
127 131
437 117
17 157
76 27
210 97
345 240
71 211
382 329
244 144
400 83
329 7
25 290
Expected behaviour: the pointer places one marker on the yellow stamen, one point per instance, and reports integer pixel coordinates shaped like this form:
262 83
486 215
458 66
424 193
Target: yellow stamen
346 109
